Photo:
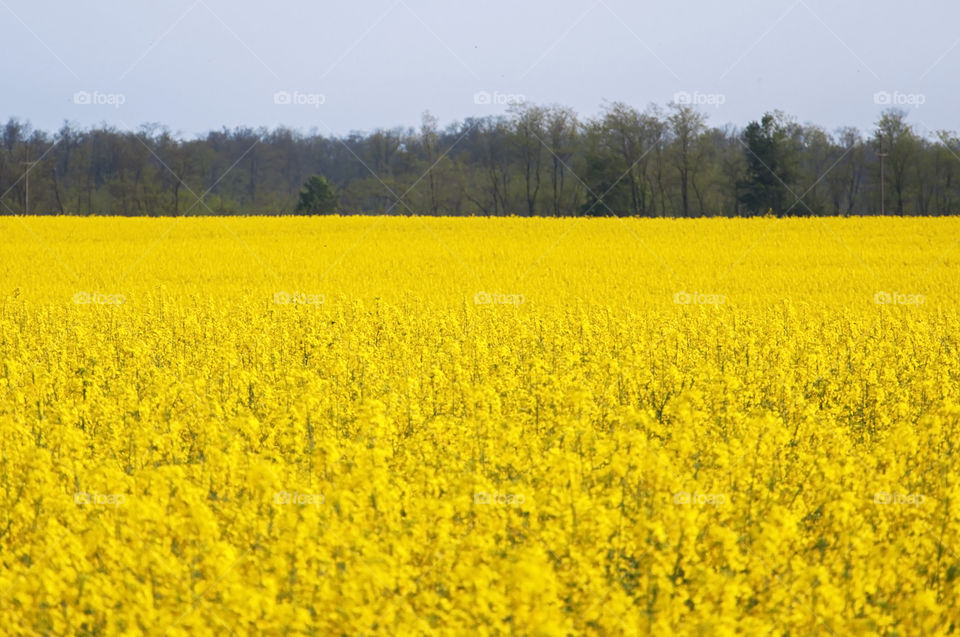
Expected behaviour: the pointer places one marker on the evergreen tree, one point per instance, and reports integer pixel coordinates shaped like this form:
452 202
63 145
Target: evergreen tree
317 198
763 188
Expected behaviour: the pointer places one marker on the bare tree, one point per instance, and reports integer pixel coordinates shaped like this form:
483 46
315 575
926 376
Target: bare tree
686 127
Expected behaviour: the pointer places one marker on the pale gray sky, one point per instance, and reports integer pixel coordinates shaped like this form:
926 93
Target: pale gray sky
196 65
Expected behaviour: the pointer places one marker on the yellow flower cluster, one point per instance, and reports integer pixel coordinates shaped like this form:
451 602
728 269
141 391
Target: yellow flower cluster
359 426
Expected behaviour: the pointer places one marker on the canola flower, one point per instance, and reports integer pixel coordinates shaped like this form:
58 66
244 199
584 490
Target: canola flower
359 426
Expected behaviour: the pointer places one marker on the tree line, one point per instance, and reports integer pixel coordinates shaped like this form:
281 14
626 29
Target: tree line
533 160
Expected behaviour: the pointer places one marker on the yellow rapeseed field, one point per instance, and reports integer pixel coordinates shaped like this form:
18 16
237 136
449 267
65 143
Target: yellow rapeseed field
393 426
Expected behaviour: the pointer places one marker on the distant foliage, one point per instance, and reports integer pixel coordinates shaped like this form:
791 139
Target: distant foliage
532 161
